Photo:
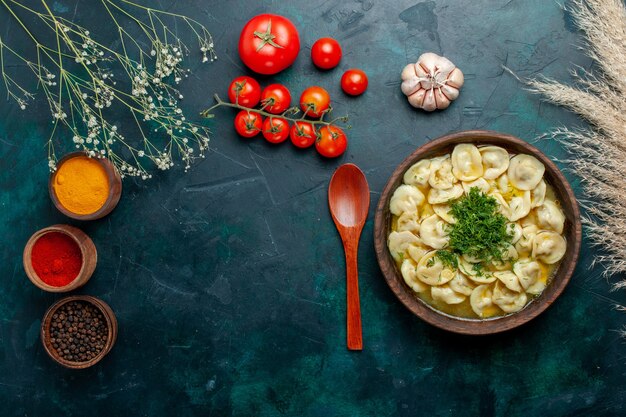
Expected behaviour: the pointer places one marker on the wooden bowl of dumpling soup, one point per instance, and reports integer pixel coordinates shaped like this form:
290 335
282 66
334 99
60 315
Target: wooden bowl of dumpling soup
418 296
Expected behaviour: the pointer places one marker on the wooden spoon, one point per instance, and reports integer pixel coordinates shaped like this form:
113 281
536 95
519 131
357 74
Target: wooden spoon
349 201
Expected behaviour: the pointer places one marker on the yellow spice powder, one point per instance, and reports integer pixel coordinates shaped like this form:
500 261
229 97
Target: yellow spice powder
81 184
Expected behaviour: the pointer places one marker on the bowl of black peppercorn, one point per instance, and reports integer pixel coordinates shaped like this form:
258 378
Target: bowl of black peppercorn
78 331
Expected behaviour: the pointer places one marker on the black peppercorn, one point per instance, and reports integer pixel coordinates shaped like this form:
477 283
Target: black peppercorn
79 332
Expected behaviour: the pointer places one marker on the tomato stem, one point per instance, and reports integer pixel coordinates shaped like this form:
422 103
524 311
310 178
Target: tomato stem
287 114
267 38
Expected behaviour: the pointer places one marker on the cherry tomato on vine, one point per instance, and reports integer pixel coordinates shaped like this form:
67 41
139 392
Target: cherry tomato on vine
245 91
275 129
314 101
326 53
302 134
354 82
332 142
277 98
269 43
248 124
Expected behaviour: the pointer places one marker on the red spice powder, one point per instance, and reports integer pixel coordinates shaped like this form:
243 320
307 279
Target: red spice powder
56 258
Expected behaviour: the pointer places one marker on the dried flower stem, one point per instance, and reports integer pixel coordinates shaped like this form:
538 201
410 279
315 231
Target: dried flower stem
599 154
80 85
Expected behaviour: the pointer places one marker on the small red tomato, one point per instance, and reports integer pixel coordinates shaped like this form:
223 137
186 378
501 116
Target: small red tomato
326 53
302 134
244 90
332 142
248 124
354 82
276 97
275 129
314 101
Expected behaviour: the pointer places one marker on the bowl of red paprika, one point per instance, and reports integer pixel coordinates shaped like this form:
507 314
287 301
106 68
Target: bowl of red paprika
59 258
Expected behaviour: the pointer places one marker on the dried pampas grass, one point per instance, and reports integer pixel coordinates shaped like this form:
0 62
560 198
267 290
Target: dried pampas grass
599 153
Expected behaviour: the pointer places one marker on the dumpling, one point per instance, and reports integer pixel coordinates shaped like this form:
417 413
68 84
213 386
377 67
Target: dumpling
399 242
417 252
446 294
538 194
441 196
467 162
516 208
481 301
519 206
524 245
480 183
549 247
431 271
405 198
433 232
550 217
525 172
441 176
515 231
427 211
504 185
530 275
443 211
461 284
509 279
418 174
470 258
530 220
409 273
470 270
509 301
508 255
495 161
409 221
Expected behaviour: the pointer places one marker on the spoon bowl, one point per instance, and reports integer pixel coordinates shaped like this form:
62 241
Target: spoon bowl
349 200
348 196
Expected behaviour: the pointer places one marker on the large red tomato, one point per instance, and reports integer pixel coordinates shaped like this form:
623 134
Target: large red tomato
269 43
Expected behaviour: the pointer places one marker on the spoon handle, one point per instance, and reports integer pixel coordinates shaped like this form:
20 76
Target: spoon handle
354 332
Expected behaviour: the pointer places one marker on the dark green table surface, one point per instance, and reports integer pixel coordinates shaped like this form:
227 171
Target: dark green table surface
228 281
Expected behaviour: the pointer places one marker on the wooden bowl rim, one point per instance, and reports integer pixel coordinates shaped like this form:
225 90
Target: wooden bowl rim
106 311
465 325
113 176
68 231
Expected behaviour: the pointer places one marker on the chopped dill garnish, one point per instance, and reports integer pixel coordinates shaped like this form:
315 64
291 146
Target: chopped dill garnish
479 269
447 258
480 231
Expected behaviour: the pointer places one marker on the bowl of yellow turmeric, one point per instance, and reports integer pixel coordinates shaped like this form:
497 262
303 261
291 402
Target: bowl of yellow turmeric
84 187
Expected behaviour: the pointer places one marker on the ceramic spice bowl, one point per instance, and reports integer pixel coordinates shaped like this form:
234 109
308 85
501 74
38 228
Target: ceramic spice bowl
107 181
78 331
57 262
572 234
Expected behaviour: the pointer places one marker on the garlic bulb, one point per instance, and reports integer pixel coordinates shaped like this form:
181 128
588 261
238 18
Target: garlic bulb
432 82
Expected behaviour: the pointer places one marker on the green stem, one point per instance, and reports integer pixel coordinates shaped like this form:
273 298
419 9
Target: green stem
220 103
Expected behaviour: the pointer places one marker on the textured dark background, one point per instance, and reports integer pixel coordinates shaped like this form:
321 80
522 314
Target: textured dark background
228 282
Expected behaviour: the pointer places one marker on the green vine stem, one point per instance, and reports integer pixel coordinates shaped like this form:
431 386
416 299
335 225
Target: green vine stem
287 114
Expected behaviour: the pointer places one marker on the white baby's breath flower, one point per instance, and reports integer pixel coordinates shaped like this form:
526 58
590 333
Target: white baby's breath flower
151 97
